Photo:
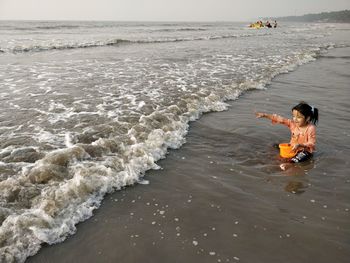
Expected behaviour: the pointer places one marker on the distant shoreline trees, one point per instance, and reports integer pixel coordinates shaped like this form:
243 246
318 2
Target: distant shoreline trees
325 17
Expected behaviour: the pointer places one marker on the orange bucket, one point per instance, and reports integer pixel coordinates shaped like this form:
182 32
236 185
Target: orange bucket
286 150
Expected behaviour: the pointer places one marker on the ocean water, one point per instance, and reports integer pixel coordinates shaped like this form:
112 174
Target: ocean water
88 107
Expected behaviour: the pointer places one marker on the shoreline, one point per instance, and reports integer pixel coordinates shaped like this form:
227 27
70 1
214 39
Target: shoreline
222 196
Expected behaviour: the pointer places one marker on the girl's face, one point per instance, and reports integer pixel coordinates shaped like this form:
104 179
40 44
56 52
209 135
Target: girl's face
299 119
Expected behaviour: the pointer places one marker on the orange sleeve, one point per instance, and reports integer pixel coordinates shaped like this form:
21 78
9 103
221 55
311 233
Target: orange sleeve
279 119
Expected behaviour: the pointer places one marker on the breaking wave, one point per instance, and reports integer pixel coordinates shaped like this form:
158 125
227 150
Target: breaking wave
112 42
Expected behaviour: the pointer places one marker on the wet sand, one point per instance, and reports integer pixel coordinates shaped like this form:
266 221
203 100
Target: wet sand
222 197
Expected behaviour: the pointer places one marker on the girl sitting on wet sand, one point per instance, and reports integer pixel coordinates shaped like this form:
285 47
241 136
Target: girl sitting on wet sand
303 131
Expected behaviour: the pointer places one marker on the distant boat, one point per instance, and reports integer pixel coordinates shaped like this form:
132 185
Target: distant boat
256 25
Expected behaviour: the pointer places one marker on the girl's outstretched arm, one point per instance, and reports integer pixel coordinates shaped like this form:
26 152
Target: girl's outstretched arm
274 118
263 115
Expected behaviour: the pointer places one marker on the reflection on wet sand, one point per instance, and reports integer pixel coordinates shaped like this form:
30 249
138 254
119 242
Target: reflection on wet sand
298 173
295 187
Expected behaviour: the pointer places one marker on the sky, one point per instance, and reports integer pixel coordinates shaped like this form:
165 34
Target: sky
163 10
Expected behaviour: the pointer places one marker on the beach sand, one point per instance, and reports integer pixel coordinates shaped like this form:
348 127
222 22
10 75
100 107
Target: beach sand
222 197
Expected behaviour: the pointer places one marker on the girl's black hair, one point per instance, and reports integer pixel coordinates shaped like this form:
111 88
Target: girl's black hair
307 111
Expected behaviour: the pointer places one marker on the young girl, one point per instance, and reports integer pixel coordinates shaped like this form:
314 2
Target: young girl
302 128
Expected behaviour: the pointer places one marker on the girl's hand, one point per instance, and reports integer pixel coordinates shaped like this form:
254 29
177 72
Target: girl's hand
296 147
260 114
